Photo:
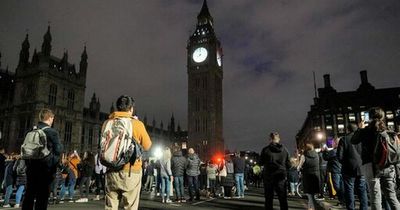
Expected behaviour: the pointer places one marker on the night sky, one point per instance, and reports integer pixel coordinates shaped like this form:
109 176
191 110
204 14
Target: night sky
271 48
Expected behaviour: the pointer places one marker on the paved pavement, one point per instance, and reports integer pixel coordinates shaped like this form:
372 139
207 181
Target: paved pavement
253 200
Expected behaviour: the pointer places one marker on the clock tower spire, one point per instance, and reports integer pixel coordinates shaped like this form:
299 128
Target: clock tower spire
205 74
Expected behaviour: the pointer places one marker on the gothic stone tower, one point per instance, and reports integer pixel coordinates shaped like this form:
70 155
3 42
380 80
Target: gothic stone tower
51 82
204 68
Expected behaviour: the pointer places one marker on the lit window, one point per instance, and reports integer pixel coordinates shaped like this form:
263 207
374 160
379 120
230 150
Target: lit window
389 115
317 128
329 127
390 125
350 108
339 117
341 128
363 115
352 117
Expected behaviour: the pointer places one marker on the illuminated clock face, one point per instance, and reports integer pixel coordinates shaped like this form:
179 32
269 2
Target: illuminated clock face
219 58
200 54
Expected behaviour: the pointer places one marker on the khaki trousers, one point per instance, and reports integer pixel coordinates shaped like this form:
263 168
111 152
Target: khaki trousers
120 185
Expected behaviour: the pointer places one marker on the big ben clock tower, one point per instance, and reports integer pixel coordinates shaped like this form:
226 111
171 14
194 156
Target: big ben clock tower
204 67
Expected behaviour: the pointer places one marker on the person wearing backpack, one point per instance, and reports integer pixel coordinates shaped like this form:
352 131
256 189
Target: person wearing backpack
8 180
380 178
125 181
19 169
40 172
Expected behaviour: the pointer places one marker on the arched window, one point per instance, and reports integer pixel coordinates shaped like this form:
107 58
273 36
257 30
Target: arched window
71 98
53 95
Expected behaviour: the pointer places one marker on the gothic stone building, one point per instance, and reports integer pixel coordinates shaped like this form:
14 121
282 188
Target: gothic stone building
46 81
332 111
204 68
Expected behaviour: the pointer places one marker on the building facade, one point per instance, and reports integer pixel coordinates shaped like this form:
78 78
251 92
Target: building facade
332 111
46 81
205 74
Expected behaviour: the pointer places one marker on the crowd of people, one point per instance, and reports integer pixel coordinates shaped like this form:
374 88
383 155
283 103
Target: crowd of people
340 169
173 173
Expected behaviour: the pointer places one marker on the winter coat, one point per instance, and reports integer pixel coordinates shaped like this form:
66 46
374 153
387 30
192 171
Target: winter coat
150 169
193 165
178 164
222 169
276 161
8 173
310 172
333 165
212 172
350 156
165 168
368 138
86 169
19 169
229 180
53 144
239 165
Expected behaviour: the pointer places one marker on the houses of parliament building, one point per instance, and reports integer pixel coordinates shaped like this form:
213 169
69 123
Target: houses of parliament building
46 81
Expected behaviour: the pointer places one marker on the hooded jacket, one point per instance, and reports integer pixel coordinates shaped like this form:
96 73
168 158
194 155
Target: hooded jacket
178 164
275 159
193 165
333 165
349 155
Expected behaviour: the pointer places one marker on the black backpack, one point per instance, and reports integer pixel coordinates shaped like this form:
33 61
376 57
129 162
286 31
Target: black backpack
387 149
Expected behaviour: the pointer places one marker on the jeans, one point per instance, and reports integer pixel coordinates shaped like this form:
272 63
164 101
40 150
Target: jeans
386 178
149 182
293 186
338 185
179 188
165 184
239 184
213 184
193 182
18 194
70 187
358 185
311 201
9 190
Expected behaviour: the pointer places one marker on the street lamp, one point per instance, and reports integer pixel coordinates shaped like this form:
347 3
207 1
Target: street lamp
158 152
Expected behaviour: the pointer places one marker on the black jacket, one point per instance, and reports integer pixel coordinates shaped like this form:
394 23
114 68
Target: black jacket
349 155
86 168
53 144
333 164
239 165
368 138
178 164
275 159
311 172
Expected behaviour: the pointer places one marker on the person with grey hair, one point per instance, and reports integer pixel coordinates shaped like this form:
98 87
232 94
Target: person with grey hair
276 161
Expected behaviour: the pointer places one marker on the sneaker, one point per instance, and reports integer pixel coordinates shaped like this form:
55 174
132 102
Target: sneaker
163 201
82 200
168 201
71 201
158 194
97 198
61 201
183 200
237 197
7 206
16 206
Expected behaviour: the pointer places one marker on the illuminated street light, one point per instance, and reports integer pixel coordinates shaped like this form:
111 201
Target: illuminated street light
246 157
158 152
319 136
251 160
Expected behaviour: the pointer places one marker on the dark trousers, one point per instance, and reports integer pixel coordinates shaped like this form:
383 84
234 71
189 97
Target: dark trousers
39 178
100 183
359 185
278 185
193 182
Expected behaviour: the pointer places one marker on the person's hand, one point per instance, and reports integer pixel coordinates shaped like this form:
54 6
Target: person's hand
361 124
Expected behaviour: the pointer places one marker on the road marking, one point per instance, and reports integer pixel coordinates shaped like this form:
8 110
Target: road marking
200 202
